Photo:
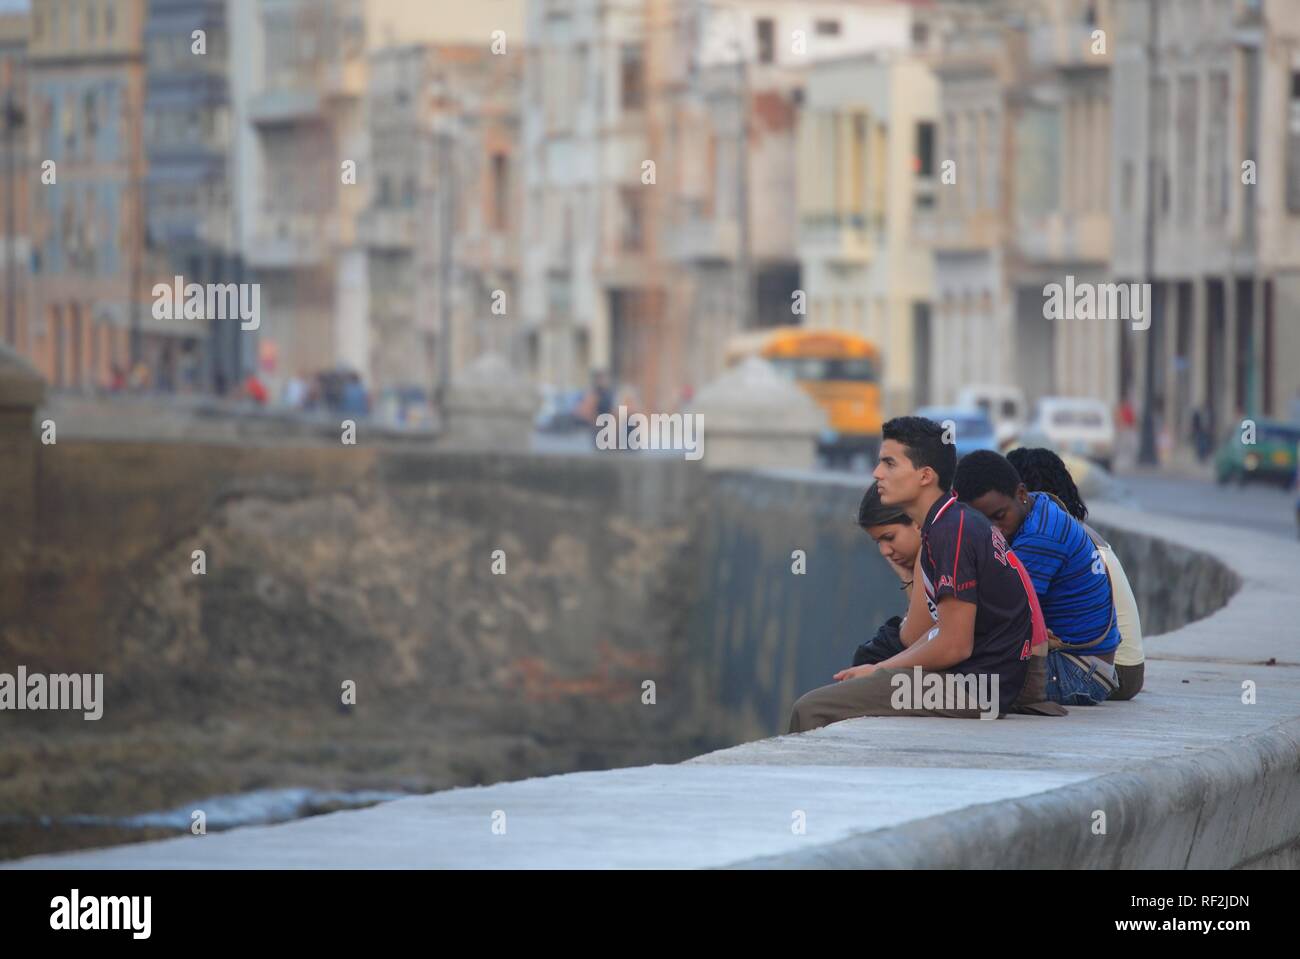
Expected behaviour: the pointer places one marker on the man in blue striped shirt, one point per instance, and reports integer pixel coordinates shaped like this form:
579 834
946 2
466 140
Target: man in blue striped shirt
1068 573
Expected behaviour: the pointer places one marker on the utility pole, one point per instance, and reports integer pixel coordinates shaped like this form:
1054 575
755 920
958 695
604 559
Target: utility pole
1147 451
13 119
446 230
744 253
135 179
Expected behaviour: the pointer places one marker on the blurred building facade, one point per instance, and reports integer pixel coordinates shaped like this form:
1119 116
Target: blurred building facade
189 197
1211 107
15 192
86 95
660 152
304 118
743 157
441 229
867 165
1024 132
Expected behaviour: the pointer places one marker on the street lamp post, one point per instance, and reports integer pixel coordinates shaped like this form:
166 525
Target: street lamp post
13 120
1147 450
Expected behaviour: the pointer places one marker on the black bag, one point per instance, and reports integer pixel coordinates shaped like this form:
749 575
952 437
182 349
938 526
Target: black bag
881 646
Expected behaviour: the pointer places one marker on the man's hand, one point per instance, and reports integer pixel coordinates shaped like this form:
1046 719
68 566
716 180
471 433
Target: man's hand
855 672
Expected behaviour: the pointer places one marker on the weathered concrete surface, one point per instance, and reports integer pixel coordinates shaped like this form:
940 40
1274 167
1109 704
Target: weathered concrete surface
1187 775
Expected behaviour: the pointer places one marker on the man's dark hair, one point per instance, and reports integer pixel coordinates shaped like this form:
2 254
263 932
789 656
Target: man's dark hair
981 471
1043 471
923 440
872 512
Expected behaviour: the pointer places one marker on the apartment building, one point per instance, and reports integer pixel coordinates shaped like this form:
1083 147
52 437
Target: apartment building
189 193
1023 196
867 165
309 151
86 93
15 184
443 213
660 150
1210 105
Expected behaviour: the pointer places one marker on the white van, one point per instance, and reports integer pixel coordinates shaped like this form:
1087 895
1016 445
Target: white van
1072 424
1004 406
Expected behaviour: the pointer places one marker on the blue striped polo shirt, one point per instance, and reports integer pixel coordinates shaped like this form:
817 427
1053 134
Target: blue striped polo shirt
1076 599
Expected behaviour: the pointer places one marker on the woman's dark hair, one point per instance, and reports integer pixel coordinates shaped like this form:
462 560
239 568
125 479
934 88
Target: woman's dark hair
872 512
1043 471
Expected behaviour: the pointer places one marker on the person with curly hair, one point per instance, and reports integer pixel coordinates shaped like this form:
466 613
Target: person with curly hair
1043 471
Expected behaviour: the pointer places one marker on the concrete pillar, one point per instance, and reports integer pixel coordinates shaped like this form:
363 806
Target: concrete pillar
1258 360
22 390
490 406
752 417
1228 404
1200 341
1173 415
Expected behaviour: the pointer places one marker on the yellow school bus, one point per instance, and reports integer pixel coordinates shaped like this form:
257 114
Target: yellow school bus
840 371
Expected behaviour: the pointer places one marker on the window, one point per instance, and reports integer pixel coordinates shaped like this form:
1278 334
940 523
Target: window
924 163
1159 145
632 238
110 20
1186 133
632 76
91 23
827 28
766 32
91 120
500 192
1293 147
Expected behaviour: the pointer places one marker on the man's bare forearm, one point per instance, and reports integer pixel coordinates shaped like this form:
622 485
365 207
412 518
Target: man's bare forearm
936 653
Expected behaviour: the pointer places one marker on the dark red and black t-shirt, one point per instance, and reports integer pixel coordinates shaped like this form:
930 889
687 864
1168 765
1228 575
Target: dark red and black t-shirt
963 555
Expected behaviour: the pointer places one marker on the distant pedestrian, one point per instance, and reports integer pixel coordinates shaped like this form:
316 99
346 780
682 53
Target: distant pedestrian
1201 435
139 378
1126 430
255 389
295 392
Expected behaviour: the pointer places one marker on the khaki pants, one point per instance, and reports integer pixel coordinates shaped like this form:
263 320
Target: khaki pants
864 696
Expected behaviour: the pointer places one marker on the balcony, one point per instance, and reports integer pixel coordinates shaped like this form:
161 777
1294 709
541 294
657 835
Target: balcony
957 231
488 251
702 240
1067 46
289 242
840 237
277 107
1059 237
387 228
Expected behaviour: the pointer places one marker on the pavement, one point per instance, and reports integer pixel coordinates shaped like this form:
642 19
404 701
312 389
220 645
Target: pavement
1261 507
1188 773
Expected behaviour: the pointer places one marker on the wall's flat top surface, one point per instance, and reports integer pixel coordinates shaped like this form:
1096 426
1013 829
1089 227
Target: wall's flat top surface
1186 734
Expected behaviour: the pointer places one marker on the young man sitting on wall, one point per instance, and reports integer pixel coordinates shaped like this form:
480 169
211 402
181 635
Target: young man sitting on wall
899 542
1069 575
988 617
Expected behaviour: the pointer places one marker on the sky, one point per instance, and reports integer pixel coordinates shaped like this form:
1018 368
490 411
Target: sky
11 6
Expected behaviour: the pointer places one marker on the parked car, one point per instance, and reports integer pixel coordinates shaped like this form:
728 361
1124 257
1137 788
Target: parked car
1071 424
973 430
1004 406
1272 457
